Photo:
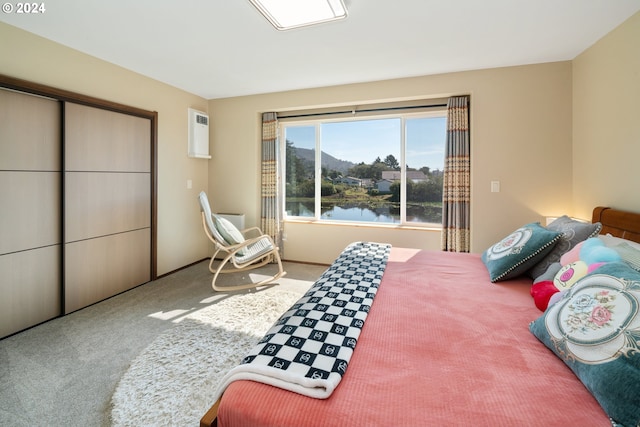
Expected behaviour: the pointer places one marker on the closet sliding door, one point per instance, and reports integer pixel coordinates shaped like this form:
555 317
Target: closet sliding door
106 204
30 218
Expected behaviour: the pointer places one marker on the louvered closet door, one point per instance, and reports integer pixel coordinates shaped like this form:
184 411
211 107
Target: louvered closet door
30 220
107 204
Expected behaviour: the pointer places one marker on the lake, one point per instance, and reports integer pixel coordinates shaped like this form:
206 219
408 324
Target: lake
388 213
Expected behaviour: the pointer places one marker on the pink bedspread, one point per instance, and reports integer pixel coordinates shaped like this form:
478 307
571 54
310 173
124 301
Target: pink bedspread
441 346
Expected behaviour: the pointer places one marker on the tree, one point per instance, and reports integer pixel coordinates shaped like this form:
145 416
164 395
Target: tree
420 192
376 170
306 189
361 170
327 189
296 171
394 188
426 170
391 162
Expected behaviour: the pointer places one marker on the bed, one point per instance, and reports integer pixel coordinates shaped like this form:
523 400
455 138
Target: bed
448 341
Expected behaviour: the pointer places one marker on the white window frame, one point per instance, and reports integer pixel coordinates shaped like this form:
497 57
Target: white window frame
316 123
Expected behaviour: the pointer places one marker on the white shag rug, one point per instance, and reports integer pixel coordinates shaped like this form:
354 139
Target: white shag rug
172 381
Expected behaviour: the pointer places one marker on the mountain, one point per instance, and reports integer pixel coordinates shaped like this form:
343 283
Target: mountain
308 155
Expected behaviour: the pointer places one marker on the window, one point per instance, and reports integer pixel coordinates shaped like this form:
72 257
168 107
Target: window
384 169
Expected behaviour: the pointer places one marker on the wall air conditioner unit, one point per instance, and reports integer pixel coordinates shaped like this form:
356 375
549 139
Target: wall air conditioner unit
198 134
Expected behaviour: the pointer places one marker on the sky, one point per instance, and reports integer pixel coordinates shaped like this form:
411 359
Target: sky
365 140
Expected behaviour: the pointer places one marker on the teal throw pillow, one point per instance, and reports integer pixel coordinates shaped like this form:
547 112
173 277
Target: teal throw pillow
519 251
595 329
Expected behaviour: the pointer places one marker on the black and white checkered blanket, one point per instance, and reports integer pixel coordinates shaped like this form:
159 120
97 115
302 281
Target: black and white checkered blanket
308 349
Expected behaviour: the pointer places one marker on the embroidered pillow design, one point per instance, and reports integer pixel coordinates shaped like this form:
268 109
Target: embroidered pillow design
595 330
520 250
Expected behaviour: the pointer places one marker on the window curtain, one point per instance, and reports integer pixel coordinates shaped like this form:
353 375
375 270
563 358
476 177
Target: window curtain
456 193
272 215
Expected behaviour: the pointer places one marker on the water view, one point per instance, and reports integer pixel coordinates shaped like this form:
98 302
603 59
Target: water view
360 174
389 213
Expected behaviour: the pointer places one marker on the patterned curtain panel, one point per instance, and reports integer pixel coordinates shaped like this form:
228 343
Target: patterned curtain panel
456 183
272 215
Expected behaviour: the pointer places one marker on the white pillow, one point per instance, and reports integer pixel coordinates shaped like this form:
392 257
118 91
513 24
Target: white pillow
612 241
628 250
227 230
629 254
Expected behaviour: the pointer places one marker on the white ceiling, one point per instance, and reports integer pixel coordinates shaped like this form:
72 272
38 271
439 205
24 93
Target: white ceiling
225 48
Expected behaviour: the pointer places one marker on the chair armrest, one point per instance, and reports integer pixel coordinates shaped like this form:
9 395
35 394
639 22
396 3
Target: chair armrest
233 249
249 230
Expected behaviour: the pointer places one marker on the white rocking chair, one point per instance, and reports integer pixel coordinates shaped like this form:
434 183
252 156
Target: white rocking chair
238 249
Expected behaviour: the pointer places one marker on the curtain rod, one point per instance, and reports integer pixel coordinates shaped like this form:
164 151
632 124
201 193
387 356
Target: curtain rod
366 110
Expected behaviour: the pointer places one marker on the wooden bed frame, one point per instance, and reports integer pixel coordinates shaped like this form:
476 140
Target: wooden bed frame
615 222
618 223
210 418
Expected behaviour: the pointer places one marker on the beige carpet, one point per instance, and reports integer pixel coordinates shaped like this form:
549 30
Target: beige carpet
172 382
64 372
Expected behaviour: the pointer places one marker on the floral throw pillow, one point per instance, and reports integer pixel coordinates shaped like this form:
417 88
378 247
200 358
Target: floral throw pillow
595 330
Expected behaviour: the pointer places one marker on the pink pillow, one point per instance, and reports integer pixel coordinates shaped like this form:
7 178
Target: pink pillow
571 256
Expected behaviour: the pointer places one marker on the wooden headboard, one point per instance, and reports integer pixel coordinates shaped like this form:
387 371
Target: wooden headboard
618 223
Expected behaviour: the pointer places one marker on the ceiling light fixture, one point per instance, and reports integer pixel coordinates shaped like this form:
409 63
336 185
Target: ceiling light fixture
287 14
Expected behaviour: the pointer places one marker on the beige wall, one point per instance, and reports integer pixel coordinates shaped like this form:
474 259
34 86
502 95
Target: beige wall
523 122
180 237
520 135
606 122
